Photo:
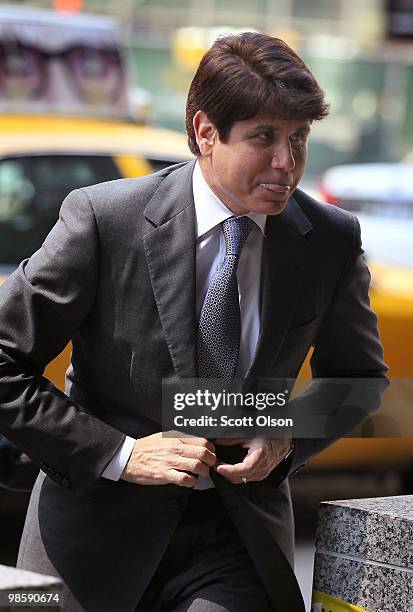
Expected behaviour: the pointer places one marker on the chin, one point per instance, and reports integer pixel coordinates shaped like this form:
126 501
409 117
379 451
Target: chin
272 208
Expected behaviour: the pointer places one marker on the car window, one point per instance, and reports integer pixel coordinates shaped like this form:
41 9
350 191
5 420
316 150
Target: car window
32 189
15 191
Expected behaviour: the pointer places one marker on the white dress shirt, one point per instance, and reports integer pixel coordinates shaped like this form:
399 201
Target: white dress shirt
210 251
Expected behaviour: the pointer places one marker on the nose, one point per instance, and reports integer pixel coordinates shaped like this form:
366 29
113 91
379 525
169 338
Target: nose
60 91
283 158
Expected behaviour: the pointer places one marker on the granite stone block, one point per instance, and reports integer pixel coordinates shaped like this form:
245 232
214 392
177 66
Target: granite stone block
364 552
373 587
379 529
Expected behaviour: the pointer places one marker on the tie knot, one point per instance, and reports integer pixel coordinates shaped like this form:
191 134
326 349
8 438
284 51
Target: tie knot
236 231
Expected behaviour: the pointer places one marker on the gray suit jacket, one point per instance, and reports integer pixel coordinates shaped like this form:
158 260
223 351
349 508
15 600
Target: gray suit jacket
117 276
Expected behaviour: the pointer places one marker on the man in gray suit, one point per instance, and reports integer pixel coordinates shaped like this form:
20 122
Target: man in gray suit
141 275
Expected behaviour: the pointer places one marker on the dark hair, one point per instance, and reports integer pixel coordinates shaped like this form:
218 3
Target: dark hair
251 74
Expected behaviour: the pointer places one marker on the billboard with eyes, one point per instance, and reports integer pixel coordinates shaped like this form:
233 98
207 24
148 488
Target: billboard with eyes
60 62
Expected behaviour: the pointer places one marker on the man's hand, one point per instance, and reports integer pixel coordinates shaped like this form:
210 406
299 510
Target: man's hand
263 456
157 460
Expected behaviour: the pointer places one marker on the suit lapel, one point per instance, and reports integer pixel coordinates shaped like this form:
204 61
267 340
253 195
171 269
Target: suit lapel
170 252
286 256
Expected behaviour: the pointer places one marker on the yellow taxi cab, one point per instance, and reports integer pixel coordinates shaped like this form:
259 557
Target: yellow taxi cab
43 158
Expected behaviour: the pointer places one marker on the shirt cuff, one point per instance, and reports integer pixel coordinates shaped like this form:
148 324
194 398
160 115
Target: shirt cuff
115 468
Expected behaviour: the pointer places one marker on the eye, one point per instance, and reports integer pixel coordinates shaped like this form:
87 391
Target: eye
298 138
266 136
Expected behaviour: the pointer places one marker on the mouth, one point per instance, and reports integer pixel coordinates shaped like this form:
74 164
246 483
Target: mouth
276 187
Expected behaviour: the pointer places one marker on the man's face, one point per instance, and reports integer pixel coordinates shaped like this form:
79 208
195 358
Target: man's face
259 166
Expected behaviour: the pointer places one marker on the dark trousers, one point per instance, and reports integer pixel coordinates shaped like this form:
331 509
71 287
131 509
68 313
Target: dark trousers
206 567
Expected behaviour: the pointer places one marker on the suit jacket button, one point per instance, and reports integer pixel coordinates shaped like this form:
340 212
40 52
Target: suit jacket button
174 504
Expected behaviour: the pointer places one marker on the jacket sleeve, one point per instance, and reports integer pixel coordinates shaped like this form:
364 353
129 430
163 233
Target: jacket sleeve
347 346
42 304
17 470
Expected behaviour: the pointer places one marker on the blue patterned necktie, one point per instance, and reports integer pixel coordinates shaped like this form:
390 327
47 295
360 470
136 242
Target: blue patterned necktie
219 331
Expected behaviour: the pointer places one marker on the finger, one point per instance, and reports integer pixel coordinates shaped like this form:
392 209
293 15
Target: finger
232 472
191 465
237 479
200 442
199 452
182 479
238 470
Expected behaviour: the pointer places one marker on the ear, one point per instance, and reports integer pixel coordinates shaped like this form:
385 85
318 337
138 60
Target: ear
205 132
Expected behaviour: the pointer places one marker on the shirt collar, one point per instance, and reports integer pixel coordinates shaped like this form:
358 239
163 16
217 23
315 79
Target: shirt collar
209 209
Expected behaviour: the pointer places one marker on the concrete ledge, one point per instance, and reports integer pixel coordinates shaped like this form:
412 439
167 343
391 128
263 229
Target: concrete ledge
20 581
364 552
